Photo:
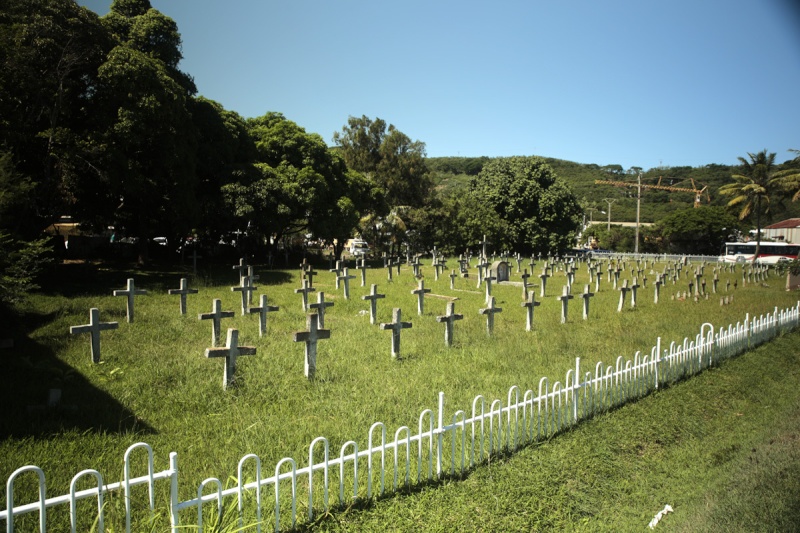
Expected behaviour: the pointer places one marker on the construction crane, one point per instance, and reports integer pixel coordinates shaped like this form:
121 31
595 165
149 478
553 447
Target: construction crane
698 193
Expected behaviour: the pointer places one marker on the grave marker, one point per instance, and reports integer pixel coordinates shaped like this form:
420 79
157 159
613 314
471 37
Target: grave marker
622 292
216 315
230 352
490 312
130 292
94 327
304 290
396 326
320 307
183 291
449 318
530 305
586 295
246 289
564 299
420 291
262 311
373 302
346 277
311 337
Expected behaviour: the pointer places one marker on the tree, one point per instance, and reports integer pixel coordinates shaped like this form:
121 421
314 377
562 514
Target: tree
788 180
701 230
538 210
389 157
752 189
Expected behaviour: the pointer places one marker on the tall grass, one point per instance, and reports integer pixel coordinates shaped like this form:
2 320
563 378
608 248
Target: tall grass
153 383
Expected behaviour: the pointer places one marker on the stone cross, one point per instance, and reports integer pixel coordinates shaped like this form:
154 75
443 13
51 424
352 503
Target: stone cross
373 302
216 315
482 266
183 291
389 266
489 312
304 290
420 291
241 267
311 337
622 292
453 277
309 274
657 285
529 306
564 299
336 272
633 292
543 276
396 326
586 295
246 289
483 244
346 277
320 307
130 292
94 327
714 282
489 278
262 311
449 318
525 277
230 352
362 266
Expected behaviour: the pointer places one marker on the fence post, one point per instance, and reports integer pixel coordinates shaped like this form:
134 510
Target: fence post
173 492
575 386
658 358
439 432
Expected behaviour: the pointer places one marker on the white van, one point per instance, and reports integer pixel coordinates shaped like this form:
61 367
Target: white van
358 247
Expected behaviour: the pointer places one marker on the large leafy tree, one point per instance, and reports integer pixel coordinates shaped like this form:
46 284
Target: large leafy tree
788 179
389 157
751 190
701 230
538 211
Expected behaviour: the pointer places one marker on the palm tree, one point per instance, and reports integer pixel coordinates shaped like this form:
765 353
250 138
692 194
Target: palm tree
789 180
752 188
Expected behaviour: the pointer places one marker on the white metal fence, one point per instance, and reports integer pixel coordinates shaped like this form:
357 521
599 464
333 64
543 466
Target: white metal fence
438 446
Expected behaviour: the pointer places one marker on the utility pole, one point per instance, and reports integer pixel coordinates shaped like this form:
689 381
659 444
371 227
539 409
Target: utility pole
638 209
610 202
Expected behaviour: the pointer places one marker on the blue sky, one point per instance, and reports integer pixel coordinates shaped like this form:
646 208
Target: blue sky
628 82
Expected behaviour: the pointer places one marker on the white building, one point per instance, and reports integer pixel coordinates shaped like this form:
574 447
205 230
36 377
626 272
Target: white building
785 231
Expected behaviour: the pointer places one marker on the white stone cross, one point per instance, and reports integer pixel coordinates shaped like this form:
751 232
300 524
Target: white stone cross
489 312
230 352
130 292
262 311
525 277
216 315
489 278
183 291
543 276
373 300
483 244
361 264
453 277
564 299
241 267
320 307
622 292
420 291
346 277
530 305
586 295
309 274
396 326
336 271
304 290
311 337
246 289
449 318
482 265
94 327
634 287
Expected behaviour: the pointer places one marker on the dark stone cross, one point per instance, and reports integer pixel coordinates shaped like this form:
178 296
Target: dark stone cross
230 352
241 267
320 307
373 301
94 327
396 326
311 337
304 290
420 291
246 289
490 312
216 315
183 291
130 292
529 306
622 292
262 311
449 318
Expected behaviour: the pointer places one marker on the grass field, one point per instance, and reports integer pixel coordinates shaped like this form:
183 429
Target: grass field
154 385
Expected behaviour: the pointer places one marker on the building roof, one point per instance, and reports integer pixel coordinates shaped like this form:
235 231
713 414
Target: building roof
789 223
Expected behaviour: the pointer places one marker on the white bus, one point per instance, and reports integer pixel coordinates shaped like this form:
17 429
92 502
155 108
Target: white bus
769 253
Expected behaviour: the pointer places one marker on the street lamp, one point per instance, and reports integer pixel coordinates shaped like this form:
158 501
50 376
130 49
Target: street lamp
610 202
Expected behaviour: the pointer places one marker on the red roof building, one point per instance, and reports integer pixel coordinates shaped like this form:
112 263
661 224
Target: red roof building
785 231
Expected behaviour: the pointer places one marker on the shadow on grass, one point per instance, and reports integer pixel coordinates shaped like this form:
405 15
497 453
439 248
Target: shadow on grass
42 395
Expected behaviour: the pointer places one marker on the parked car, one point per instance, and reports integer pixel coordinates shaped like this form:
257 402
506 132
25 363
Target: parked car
358 247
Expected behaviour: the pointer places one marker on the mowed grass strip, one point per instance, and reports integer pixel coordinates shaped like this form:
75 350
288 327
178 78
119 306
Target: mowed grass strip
722 449
154 384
